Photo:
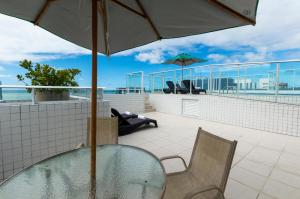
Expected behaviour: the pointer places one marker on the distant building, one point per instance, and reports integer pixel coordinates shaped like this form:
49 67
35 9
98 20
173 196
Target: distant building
269 84
226 83
246 84
265 83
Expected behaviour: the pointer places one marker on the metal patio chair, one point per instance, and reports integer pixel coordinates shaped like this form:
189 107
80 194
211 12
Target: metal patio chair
207 174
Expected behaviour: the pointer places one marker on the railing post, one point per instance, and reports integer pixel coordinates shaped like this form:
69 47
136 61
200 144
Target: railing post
219 85
126 80
238 81
277 81
191 81
294 71
210 80
294 74
153 84
33 96
174 81
163 82
142 82
227 84
1 97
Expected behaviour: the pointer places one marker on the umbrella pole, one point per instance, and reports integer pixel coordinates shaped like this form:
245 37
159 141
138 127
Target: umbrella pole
94 99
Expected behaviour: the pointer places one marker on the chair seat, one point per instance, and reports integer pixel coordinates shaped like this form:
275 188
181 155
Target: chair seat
182 183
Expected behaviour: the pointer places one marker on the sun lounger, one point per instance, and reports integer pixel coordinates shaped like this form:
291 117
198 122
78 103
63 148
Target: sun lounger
127 126
171 88
167 90
187 83
181 90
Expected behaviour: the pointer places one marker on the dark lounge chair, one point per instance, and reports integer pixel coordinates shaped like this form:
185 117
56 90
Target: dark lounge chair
127 126
115 113
171 88
181 90
167 90
187 83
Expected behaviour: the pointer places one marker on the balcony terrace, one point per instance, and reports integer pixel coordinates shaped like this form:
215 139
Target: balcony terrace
265 166
258 105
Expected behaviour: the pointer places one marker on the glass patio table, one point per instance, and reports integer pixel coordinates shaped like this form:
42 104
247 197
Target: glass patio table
123 172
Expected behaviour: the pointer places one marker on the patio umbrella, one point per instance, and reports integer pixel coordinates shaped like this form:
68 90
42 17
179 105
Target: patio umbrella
184 60
110 26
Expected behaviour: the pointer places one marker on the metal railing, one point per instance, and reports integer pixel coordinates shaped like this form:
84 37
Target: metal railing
135 82
275 79
79 92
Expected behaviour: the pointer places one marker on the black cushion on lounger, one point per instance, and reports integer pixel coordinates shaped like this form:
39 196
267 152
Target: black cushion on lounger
187 84
125 116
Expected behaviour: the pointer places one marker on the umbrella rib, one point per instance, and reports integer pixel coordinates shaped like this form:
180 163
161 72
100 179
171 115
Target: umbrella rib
149 19
233 12
100 8
103 8
42 12
128 8
105 24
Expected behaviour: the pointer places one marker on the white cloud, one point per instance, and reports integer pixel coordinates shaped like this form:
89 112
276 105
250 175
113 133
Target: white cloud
6 76
260 54
216 57
153 57
20 40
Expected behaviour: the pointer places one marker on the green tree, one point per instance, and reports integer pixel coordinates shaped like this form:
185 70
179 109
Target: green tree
45 75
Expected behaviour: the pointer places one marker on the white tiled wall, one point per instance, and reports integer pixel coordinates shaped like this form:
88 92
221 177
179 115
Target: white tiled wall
30 133
262 115
126 102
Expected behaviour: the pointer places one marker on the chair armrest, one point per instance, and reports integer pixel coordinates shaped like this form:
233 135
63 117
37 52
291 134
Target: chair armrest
203 190
173 157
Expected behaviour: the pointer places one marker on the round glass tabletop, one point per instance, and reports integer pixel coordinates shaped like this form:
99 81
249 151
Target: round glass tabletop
123 172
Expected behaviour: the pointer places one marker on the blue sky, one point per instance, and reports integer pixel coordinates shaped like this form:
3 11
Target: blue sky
275 37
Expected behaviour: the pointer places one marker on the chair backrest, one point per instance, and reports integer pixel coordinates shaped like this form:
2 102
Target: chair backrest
121 119
170 85
107 131
211 159
178 87
187 84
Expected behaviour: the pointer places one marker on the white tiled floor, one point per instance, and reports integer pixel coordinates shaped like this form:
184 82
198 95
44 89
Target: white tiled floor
265 166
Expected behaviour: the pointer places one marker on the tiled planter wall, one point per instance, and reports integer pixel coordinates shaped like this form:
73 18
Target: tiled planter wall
30 133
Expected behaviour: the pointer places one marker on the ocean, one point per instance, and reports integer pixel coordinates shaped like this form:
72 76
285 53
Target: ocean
15 94
22 94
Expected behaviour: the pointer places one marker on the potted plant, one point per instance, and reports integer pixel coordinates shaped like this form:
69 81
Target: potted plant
45 75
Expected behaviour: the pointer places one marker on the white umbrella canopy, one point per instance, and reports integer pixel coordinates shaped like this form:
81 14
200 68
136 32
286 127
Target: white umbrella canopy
110 26
131 23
